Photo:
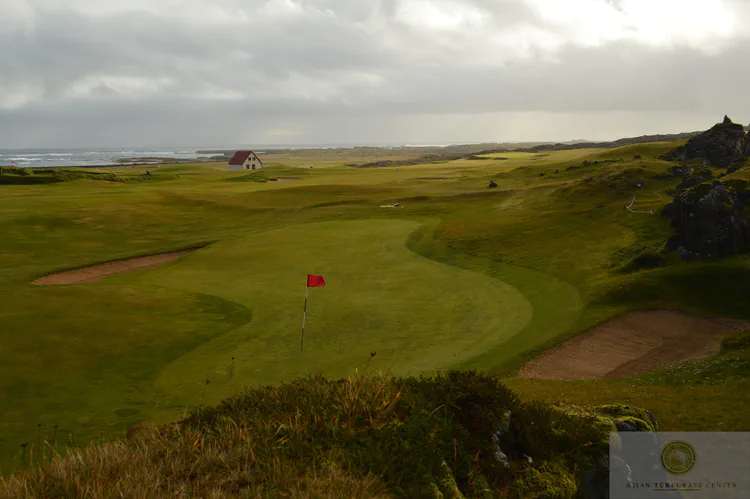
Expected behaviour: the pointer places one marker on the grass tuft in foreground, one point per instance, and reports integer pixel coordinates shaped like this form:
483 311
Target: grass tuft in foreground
459 434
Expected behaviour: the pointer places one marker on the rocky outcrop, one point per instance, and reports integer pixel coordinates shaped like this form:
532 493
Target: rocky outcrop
723 145
600 421
694 177
711 220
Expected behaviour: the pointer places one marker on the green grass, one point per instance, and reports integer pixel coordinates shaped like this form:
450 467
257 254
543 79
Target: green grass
459 277
416 314
720 407
363 436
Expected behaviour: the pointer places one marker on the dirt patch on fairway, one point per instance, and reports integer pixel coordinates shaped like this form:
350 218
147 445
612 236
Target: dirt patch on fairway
634 343
102 270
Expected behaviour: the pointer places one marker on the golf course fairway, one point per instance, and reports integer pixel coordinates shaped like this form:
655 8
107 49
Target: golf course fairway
415 314
426 270
146 345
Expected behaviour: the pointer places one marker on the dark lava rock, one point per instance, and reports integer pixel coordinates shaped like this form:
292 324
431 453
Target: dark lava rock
673 243
697 176
595 483
722 145
652 420
739 187
622 425
681 171
669 211
684 254
710 220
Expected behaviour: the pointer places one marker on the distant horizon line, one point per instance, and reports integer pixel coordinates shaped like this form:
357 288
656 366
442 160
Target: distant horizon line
280 146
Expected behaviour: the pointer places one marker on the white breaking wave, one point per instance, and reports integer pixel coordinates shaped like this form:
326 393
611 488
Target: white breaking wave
83 157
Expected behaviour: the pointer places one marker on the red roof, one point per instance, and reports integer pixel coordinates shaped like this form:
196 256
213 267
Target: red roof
240 157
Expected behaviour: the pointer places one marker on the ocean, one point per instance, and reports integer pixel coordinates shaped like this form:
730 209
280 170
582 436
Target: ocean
43 158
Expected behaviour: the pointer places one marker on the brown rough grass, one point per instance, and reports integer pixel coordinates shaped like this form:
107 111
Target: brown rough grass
179 462
361 437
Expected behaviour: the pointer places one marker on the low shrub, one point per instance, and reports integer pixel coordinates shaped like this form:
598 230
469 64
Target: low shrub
459 434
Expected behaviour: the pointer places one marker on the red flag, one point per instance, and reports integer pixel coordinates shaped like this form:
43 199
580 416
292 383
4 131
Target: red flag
315 281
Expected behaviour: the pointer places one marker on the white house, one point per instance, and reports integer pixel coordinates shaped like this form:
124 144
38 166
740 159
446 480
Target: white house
245 160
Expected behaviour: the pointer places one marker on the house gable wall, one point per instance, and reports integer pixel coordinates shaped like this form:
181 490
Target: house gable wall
253 162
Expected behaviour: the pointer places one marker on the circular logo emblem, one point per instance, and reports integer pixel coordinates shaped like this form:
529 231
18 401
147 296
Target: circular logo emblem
678 457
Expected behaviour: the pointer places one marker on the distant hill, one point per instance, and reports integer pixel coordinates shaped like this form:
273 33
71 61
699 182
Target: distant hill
432 154
452 153
452 149
578 144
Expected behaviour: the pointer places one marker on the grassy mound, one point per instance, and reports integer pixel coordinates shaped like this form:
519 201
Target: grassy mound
36 176
29 176
460 434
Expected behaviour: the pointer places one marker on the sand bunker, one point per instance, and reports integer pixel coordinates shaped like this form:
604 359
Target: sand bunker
634 343
102 270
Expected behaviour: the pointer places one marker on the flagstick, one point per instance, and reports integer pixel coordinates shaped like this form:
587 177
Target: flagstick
304 316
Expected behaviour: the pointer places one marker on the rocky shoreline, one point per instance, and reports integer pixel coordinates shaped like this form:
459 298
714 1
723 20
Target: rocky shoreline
156 160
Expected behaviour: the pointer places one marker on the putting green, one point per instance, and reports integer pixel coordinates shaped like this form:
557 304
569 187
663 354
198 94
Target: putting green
416 314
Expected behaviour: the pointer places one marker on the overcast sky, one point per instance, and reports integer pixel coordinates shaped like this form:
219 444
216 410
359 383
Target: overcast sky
111 73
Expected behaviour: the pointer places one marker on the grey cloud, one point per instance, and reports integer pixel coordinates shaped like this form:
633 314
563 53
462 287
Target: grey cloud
617 77
66 46
334 63
103 90
617 4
